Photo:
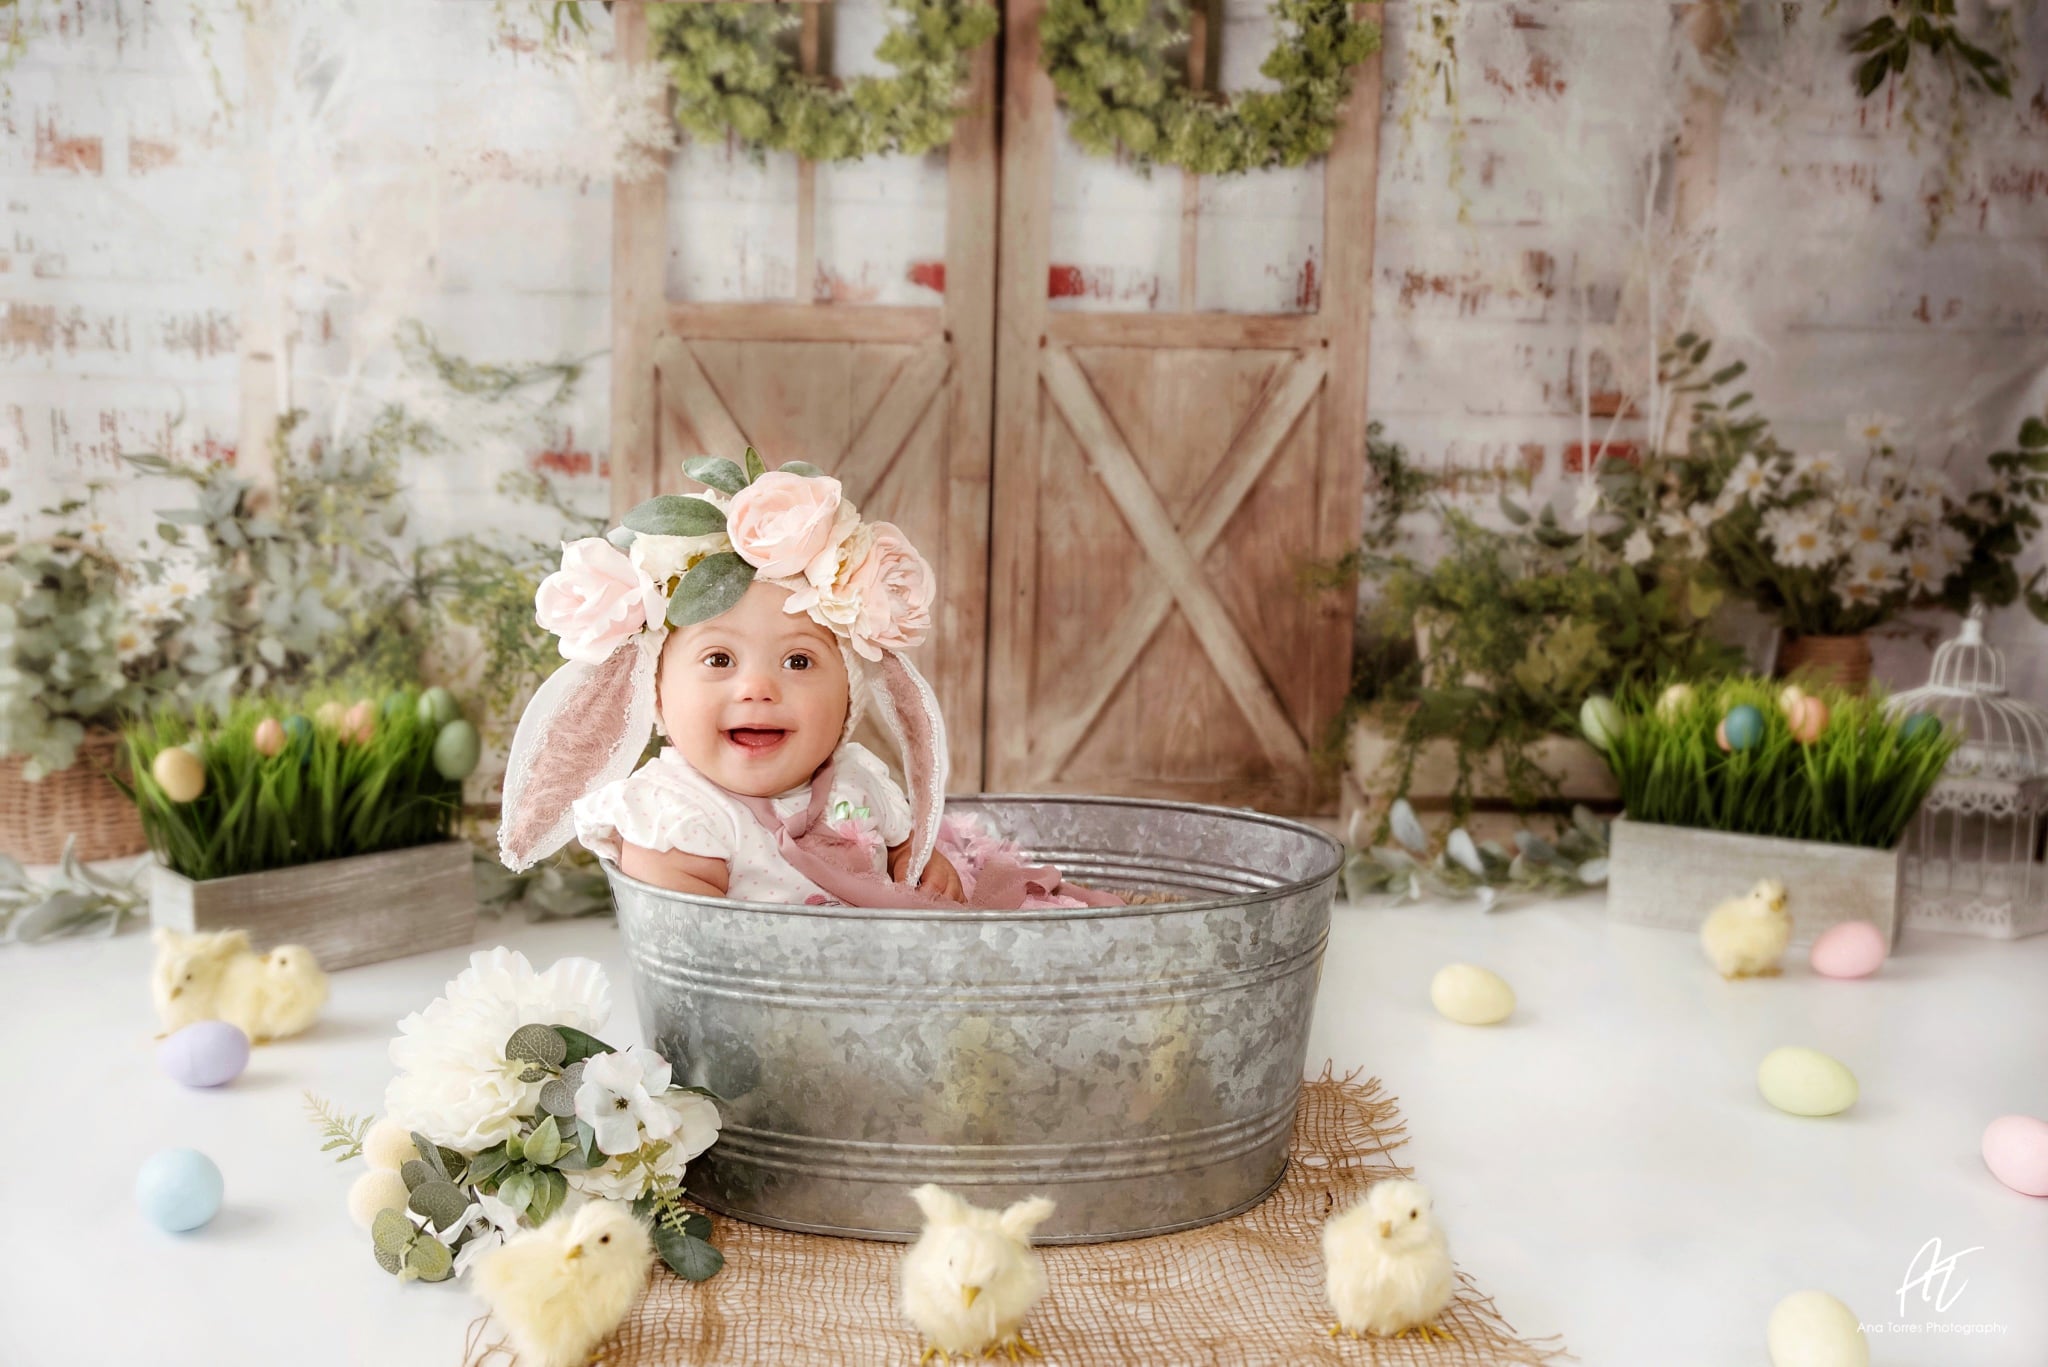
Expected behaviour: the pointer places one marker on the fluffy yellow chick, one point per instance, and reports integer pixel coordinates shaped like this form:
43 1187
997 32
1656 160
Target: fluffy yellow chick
972 1276
1386 1267
216 975
560 1289
1745 936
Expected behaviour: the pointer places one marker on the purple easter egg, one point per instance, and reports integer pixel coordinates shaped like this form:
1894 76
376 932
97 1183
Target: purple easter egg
205 1054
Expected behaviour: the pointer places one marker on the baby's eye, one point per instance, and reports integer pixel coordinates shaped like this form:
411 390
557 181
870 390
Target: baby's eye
798 661
718 659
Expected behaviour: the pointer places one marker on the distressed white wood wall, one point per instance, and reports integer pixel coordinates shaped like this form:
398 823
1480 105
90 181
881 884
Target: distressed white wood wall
178 189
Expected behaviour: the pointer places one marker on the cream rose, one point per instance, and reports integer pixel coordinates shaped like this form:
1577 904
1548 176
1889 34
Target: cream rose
663 558
827 593
894 587
782 522
596 601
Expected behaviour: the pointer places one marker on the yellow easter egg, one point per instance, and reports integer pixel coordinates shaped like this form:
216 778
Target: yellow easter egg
329 715
1803 1081
179 773
1813 1329
1789 698
1471 995
1674 700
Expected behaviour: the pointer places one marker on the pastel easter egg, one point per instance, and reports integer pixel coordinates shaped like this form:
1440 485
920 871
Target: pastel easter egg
2016 1151
179 773
1919 725
1471 995
1813 1329
269 737
1852 949
297 731
1741 729
437 707
178 1189
204 1054
1674 700
456 750
1808 720
1802 1081
1600 720
359 722
329 715
1789 697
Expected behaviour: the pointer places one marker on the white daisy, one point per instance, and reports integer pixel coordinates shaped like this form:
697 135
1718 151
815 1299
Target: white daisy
1924 570
185 577
1951 545
1802 540
1875 567
1879 429
153 603
132 642
1855 594
1852 505
1820 467
1748 478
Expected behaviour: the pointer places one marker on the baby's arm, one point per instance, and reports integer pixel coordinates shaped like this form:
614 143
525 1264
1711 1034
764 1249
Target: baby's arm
940 877
675 870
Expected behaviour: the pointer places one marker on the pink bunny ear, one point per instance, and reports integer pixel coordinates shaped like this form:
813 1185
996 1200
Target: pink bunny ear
910 713
585 727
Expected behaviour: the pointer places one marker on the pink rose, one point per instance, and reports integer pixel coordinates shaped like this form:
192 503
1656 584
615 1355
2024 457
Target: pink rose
597 600
895 588
782 522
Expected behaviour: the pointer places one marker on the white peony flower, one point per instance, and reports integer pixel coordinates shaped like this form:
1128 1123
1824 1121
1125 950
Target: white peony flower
663 558
627 1178
1637 548
620 1095
454 1084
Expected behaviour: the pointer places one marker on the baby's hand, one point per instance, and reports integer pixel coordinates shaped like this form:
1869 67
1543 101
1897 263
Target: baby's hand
940 878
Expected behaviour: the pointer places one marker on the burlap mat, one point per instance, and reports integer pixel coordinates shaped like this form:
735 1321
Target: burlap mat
1246 1291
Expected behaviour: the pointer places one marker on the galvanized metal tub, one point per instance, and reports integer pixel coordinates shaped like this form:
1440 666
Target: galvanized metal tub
1140 1065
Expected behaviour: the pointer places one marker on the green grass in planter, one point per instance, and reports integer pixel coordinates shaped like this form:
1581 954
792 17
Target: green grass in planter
324 798
1860 783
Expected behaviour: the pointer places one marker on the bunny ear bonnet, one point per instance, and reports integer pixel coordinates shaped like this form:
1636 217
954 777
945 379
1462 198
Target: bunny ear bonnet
680 559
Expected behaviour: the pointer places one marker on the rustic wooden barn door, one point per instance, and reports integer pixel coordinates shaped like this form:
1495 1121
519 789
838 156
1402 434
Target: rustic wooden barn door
895 401
1159 480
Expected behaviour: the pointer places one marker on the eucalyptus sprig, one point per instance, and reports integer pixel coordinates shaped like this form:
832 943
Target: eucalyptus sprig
1411 867
73 901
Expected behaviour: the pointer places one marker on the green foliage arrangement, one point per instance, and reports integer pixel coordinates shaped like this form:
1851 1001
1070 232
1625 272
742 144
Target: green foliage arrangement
1113 64
1408 867
72 901
1858 783
733 70
281 788
343 1133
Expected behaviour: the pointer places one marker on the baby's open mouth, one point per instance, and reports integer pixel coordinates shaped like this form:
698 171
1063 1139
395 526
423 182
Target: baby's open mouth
756 739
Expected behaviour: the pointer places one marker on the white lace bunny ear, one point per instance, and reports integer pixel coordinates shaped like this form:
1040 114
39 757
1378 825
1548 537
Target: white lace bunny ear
585 727
910 714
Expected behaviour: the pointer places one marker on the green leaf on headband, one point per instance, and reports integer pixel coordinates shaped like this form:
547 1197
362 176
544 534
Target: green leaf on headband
802 467
621 537
716 472
714 584
755 466
676 515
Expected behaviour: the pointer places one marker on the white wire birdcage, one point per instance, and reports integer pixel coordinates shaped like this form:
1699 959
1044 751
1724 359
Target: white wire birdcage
1974 859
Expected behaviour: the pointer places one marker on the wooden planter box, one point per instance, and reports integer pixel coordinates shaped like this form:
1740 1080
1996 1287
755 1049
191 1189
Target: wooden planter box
1675 875
347 911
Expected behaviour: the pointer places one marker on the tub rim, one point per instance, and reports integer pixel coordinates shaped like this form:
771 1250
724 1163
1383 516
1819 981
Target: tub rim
1332 850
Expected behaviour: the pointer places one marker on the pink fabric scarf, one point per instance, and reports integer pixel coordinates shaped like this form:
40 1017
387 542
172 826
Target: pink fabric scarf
845 871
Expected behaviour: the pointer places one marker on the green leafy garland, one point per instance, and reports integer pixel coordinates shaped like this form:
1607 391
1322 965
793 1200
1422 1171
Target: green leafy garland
1108 60
731 72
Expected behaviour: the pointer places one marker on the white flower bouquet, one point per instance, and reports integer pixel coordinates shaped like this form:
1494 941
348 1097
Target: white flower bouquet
506 1110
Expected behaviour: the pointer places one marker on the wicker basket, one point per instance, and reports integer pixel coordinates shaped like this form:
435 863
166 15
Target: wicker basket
36 817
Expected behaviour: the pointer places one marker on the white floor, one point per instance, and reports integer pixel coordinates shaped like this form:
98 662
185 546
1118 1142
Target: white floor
1602 1162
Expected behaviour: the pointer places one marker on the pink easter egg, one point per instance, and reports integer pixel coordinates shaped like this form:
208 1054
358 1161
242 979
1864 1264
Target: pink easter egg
269 738
359 722
1808 717
1721 734
2016 1151
1851 949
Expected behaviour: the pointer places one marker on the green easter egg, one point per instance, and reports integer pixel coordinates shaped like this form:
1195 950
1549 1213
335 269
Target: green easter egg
456 750
394 703
437 707
1600 720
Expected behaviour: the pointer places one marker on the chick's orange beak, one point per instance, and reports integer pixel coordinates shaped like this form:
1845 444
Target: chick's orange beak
968 1293
1386 1229
575 1252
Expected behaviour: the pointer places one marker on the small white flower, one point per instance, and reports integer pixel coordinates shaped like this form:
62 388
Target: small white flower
1855 594
1868 529
132 642
620 1095
1875 567
153 603
1749 478
696 1129
1802 540
1879 429
1820 467
494 1219
1853 505
1637 548
1924 570
1950 544
663 558
185 577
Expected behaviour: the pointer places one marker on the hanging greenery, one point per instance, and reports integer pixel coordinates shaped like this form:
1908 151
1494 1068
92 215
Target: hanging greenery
1110 62
733 71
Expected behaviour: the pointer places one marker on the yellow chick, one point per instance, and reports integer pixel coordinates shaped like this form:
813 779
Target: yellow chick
1745 936
216 975
1386 1267
972 1276
561 1289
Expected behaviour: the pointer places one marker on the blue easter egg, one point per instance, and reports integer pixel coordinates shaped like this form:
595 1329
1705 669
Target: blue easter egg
178 1189
1743 727
395 703
205 1054
1918 725
298 730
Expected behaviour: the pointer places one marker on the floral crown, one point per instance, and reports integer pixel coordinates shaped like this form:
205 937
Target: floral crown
679 559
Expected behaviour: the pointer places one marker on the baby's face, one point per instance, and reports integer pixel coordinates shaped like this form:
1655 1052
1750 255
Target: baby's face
756 697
